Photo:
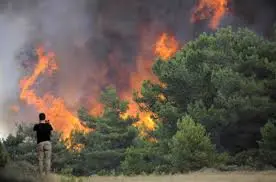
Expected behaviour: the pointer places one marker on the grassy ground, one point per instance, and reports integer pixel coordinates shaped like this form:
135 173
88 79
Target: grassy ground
268 176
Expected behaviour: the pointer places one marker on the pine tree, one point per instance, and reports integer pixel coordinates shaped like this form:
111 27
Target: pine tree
112 135
3 156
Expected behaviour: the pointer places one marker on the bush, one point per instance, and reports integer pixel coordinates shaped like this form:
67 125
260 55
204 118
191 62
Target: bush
142 160
97 162
249 158
3 156
268 133
268 157
136 161
191 147
265 155
145 159
268 144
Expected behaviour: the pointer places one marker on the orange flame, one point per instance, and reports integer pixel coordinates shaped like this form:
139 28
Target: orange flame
214 9
144 117
166 46
65 121
60 117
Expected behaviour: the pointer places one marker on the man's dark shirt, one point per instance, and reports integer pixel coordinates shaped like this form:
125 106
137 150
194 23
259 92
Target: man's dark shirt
43 132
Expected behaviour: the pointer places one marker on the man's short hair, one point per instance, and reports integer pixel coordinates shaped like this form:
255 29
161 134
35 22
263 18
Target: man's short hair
42 116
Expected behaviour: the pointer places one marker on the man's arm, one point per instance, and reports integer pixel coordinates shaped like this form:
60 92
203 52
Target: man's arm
35 127
50 126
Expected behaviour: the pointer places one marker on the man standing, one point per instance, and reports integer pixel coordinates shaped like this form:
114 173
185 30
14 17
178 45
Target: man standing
44 147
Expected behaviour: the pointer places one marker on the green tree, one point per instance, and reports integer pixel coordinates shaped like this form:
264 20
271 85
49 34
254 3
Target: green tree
112 135
224 80
191 147
154 98
22 145
268 136
3 156
267 144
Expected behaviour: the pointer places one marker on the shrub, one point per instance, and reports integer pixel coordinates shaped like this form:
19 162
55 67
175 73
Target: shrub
268 133
249 158
145 159
191 147
136 161
268 144
3 156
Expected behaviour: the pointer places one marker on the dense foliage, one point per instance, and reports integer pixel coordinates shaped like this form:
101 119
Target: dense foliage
105 147
214 106
191 147
268 144
226 81
3 156
269 136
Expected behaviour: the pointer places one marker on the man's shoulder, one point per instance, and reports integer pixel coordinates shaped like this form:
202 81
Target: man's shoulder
43 126
37 125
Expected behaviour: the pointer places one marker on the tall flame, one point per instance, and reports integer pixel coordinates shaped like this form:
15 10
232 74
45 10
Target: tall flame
60 117
65 121
166 46
214 9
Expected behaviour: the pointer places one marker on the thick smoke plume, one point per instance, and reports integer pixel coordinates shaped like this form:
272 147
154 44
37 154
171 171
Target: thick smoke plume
99 42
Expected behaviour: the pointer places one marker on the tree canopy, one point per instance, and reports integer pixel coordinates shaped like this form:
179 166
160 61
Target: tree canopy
224 80
215 95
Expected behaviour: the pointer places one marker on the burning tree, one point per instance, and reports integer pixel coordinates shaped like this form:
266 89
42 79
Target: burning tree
105 146
224 81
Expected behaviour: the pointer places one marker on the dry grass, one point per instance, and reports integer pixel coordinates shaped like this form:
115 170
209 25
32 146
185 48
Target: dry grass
268 176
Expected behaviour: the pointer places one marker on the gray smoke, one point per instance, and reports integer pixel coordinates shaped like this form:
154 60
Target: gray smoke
61 26
259 15
97 42
13 35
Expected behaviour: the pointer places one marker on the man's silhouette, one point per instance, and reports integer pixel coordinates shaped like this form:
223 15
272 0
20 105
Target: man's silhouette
44 147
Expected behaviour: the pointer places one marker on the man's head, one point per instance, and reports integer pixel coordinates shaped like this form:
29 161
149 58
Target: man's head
42 116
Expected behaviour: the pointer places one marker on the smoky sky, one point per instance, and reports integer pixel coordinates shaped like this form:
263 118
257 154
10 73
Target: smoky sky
259 15
97 42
